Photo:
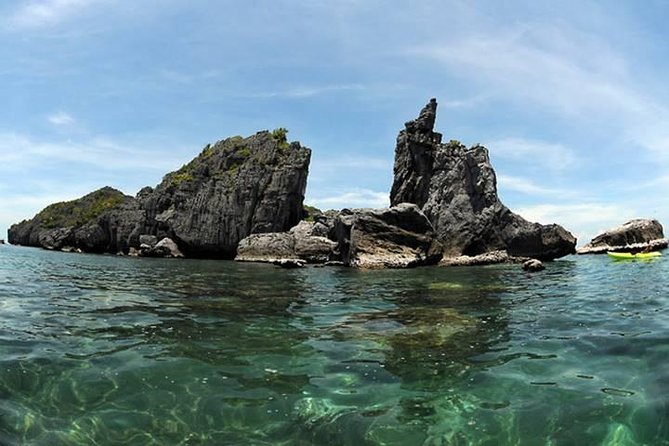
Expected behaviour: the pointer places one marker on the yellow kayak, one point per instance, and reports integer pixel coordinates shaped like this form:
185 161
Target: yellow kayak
629 255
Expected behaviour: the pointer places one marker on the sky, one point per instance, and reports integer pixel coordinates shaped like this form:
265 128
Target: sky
569 97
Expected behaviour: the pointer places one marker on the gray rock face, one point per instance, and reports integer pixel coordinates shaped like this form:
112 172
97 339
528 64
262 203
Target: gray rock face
398 237
488 258
300 243
97 222
456 188
633 235
236 187
164 248
533 265
232 189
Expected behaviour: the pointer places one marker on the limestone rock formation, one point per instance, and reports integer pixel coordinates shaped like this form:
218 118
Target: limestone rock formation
303 242
636 234
92 223
397 237
456 188
236 187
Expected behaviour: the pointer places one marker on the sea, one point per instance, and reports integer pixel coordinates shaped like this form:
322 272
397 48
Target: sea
106 350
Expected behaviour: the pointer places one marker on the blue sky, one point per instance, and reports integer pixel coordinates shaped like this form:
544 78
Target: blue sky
570 97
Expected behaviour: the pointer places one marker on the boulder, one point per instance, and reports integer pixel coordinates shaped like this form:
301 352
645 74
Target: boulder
165 248
148 240
270 247
488 258
298 243
533 265
456 188
397 237
637 234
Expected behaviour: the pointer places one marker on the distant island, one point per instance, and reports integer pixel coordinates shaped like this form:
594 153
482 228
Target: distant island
243 198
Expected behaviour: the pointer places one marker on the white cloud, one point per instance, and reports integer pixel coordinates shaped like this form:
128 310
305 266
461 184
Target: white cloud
528 187
62 119
537 65
39 13
306 91
323 165
548 155
584 220
573 74
359 198
20 152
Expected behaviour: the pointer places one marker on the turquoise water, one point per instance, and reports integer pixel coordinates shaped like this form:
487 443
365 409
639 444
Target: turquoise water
100 350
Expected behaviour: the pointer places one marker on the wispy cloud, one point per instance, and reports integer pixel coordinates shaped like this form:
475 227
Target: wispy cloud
325 164
20 151
529 187
359 198
306 91
62 119
584 220
572 74
39 13
548 155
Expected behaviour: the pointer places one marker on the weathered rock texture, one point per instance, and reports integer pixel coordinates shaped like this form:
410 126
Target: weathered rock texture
92 223
302 242
634 235
456 188
236 187
398 237
488 258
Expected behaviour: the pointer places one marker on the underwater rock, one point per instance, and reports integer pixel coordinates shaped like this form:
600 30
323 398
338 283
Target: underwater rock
488 258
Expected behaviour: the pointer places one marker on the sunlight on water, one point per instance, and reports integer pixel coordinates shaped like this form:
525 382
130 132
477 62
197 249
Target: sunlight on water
105 350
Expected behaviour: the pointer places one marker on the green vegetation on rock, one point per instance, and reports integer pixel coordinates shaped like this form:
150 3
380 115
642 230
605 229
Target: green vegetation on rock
280 136
310 212
81 211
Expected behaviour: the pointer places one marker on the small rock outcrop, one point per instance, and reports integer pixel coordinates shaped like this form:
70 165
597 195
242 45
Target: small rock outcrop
456 188
303 242
90 224
234 188
488 258
634 235
533 265
397 237
166 248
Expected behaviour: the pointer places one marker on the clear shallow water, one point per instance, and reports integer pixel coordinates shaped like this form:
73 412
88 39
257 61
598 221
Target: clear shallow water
105 350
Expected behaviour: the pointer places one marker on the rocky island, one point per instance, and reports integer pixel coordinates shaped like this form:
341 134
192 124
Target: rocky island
634 235
243 198
233 188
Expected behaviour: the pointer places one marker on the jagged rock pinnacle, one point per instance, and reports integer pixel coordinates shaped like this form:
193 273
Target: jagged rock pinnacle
426 118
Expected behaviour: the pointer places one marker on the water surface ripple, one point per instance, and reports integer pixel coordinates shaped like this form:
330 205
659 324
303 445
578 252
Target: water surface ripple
121 351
